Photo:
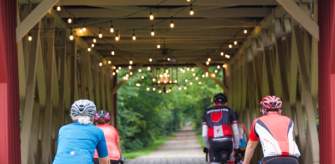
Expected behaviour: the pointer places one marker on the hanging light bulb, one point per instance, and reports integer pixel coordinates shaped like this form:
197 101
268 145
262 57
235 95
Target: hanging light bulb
225 66
30 38
222 53
235 42
131 62
100 64
148 89
188 0
172 25
227 56
148 68
58 8
92 45
168 59
89 49
100 34
71 37
142 77
158 46
69 20
130 67
109 62
152 33
209 59
230 46
134 36
150 60
151 16
191 11
245 31
218 67
117 38
113 73
112 52
111 29
94 40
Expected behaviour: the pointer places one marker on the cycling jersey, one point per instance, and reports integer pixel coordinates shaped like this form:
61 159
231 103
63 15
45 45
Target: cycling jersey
112 139
275 132
219 120
77 142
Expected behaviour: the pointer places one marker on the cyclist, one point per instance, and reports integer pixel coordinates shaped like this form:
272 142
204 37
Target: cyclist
78 140
102 119
275 132
219 127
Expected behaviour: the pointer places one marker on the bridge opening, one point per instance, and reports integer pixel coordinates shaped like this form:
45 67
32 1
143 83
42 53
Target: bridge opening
156 62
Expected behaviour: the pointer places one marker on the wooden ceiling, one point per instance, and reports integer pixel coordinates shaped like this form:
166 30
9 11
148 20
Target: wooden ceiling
215 25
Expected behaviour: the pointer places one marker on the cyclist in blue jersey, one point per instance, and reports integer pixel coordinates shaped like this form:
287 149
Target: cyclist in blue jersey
78 140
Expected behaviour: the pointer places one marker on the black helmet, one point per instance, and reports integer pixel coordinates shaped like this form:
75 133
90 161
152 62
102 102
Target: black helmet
220 98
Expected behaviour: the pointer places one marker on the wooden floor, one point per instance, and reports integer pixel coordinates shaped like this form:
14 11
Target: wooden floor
183 149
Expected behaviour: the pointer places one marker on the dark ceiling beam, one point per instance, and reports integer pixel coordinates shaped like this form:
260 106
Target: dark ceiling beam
248 12
225 3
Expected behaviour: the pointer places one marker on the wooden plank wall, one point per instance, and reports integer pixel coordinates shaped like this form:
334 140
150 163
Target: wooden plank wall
53 72
286 68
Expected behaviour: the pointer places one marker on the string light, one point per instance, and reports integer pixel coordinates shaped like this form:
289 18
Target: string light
235 42
30 38
150 60
109 62
112 52
138 84
245 31
131 62
100 64
58 8
119 68
83 29
113 73
69 20
92 45
153 89
172 25
218 67
151 16
142 77
111 29
199 82
225 66
148 68
114 67
139 70
168 59
152 33
71 37
191 11
89 49
207 62
213 75
230 46
222 53
134 36
209 59
117 38
100 34
94 40
130 67
158 46
227 56
188 0
148 89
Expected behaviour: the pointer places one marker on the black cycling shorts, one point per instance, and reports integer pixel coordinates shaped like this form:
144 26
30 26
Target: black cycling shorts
96 161
280 160
219 151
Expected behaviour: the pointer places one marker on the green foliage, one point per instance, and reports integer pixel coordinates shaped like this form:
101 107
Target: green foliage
144 116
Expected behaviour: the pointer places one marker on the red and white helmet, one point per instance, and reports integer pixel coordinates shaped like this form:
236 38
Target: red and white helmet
271 103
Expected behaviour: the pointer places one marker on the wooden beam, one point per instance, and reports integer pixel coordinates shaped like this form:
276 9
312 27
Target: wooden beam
299 15
33 18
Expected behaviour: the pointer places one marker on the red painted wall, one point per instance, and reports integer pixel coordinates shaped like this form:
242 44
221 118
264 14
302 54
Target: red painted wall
9 98
327 80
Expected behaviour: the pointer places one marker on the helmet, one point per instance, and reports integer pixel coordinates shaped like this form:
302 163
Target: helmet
103 116
83 108
220 98
271 103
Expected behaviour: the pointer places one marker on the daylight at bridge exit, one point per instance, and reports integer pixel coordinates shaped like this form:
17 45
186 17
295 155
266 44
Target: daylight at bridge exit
167 81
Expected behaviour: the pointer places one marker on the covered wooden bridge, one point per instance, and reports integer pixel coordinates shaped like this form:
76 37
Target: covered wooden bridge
55 51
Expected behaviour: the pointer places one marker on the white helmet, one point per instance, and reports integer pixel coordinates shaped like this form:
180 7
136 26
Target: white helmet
83 108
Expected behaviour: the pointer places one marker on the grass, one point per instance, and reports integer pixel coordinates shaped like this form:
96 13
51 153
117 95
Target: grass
200 140
147 150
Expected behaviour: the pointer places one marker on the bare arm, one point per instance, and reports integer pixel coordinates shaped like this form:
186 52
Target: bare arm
104 160
250 151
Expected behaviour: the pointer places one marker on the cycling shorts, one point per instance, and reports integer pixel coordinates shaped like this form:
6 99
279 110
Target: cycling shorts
280 160
219 151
